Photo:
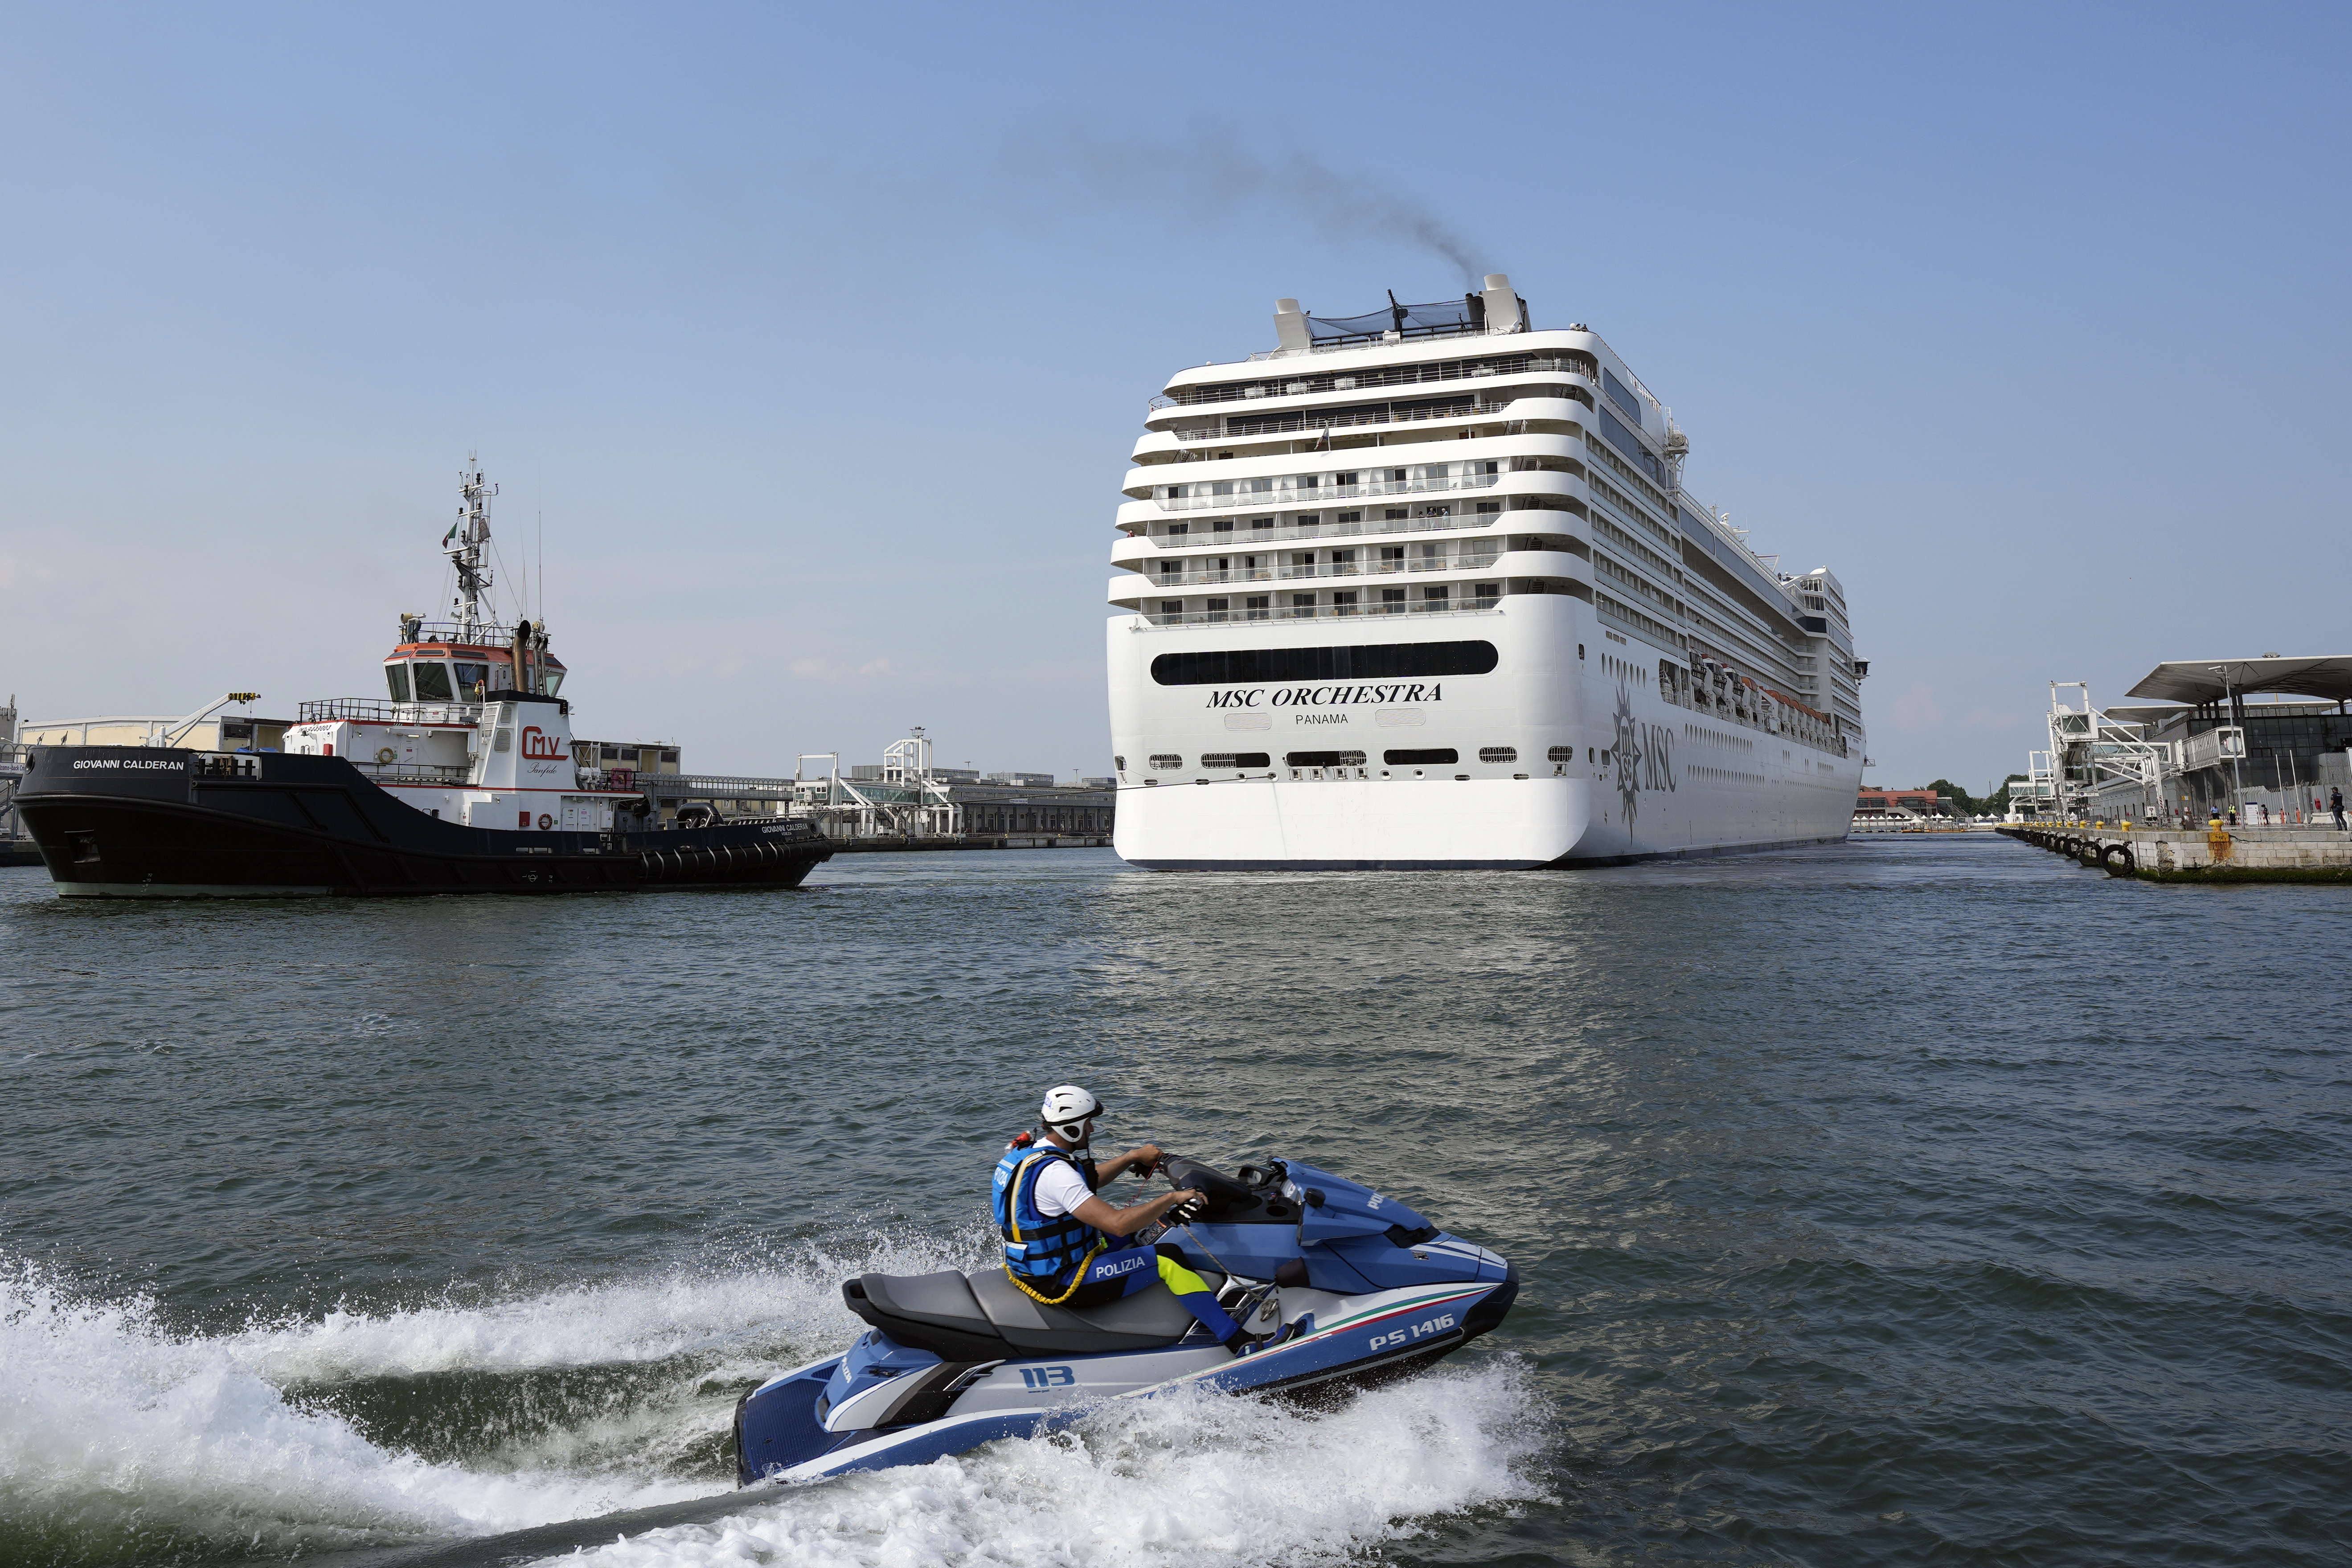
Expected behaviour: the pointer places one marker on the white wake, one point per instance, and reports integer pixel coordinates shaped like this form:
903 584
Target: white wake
122 1439
1200 1481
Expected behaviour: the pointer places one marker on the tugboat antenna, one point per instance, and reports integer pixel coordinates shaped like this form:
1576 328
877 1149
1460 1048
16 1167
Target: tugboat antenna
465 543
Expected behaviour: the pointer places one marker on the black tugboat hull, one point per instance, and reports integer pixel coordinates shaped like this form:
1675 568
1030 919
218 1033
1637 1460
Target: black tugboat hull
151 822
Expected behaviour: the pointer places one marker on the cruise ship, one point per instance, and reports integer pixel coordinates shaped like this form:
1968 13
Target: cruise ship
1422 589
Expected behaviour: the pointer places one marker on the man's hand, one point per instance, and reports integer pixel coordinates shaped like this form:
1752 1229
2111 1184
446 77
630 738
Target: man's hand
1128 1221
1144 1160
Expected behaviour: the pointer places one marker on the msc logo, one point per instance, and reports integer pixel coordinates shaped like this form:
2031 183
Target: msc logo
537 742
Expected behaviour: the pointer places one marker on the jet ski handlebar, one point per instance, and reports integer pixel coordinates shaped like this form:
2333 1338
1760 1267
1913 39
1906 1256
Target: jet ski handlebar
1220 1191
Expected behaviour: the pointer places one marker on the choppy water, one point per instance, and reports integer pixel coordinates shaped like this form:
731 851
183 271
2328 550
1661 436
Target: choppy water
1893 1201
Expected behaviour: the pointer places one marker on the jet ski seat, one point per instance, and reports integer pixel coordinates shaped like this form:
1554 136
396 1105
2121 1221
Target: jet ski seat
986 1317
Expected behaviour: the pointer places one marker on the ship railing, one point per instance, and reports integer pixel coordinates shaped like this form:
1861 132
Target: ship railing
376 711
225 765
1292 497
1250 539
1374 340
1481 605
1236 426
481 634
1326 569
1375 380
1802 730
414 773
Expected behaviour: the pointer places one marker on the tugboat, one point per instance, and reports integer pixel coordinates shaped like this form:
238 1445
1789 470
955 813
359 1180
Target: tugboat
462 780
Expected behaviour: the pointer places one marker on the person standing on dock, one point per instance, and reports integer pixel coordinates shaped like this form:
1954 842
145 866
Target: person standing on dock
2335 804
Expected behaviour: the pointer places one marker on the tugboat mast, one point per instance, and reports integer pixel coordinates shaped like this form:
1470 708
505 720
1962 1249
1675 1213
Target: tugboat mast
464 545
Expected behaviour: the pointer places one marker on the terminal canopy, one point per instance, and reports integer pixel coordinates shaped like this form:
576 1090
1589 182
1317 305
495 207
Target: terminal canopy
2203 680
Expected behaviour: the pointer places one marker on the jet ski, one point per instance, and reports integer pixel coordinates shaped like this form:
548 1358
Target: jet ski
1358 1289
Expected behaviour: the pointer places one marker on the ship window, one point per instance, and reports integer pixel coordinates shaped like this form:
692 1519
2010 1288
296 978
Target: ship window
1324 760
470 676
1236 760
1561 754
1436 756
395 675
433 683
1347 517
1498 753
1620 394
553 680
1163 762
1378 661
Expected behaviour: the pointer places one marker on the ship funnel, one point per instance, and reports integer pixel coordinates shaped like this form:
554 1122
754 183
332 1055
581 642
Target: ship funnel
1290 326
1506 311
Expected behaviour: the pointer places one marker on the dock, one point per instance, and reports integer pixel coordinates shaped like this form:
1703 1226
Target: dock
2211 854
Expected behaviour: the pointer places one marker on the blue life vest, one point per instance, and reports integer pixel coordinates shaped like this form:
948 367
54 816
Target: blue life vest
1044 1254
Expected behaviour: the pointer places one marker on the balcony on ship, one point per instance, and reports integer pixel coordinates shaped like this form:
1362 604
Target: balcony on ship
1329 384
1343 605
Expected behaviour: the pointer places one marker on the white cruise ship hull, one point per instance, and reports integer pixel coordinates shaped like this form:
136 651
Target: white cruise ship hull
1601 768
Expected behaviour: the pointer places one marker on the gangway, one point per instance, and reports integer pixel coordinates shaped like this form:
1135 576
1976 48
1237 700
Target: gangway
2097 766
907 800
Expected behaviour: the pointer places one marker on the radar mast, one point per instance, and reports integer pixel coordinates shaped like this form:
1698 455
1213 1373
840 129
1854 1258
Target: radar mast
464 544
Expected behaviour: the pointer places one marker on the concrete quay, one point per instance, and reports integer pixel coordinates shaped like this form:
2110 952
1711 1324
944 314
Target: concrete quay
2211 854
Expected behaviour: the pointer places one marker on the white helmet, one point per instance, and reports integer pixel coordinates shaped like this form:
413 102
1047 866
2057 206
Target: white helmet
1067 1110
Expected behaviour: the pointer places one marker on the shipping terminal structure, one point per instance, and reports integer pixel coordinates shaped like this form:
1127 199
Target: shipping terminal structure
1422 589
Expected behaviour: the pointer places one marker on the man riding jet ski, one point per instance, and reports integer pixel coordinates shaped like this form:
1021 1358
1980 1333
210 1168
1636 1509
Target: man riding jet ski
1276 1277
1065 1247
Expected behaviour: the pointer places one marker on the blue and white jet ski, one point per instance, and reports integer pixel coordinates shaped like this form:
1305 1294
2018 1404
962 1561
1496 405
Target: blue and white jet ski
1366 1288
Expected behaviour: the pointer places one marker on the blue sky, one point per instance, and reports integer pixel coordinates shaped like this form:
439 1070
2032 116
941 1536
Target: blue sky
818 338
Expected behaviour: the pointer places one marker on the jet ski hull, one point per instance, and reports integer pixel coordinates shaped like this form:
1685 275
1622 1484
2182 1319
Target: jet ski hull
869 1408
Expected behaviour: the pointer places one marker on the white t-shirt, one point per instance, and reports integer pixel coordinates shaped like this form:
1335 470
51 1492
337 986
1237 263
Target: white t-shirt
1060 1189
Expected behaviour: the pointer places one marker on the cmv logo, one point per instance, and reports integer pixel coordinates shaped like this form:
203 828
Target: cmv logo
537 742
